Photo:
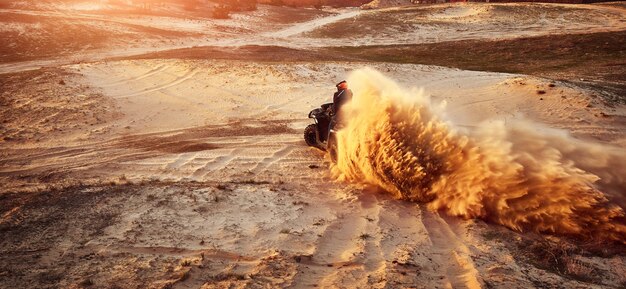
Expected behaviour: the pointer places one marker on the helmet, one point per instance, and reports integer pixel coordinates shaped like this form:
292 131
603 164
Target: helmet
342 85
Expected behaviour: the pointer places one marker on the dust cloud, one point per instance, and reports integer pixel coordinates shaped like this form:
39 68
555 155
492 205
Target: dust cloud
522 175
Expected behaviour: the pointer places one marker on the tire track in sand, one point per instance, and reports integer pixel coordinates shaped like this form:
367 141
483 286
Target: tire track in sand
276 157
451 253
188 75
157 69
346 252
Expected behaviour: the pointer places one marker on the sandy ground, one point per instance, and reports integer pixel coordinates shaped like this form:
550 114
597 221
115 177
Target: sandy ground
212 183
169 173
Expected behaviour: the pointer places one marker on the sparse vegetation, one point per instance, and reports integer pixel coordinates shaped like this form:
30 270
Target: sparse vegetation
185 263
229 276
221 187
86 283
251 182
562 258
492 235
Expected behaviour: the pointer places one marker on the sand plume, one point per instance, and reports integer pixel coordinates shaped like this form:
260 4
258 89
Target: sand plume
521 175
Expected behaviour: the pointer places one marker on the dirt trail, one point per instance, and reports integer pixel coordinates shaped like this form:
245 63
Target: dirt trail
300 28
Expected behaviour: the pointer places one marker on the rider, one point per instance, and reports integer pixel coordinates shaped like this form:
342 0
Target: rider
341 97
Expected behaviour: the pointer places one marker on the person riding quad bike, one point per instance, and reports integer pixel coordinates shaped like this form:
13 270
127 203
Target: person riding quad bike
340 98
327 119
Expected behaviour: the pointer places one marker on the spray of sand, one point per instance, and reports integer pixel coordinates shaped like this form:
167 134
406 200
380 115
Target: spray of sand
514 175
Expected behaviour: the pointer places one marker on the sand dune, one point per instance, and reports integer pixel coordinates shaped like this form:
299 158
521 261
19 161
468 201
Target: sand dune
192 173
116 36
270 219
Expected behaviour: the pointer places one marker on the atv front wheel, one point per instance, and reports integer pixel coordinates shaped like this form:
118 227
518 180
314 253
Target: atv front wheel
310 135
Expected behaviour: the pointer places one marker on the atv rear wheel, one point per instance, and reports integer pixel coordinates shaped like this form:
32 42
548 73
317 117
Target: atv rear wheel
310 135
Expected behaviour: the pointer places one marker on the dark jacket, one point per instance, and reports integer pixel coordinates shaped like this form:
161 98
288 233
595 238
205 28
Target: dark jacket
340 98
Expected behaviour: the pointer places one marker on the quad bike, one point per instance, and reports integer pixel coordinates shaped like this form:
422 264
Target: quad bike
321 134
